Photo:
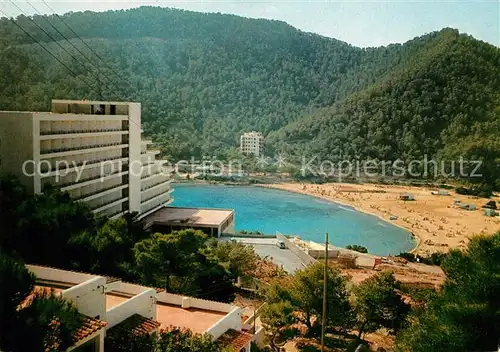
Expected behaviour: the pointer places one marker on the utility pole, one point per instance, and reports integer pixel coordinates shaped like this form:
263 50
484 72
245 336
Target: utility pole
254 317
323 318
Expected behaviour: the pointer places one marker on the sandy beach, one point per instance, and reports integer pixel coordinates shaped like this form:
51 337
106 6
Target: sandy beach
437 224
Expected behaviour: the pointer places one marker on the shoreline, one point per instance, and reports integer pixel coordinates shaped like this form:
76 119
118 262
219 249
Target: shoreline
434 222
417 239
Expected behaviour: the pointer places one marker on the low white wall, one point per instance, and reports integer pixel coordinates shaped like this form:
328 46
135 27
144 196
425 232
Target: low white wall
191 302
306 258
320 254
247 235
229 228
169 298
210 305
230 321
365 261
89 297
126 288
64 276
259 337
143 304
250 319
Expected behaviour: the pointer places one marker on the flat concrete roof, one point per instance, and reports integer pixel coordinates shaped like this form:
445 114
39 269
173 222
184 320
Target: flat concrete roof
112 300
197 320
92 102
196 217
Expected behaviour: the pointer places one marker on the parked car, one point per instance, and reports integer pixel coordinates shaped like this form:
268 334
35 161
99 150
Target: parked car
281 244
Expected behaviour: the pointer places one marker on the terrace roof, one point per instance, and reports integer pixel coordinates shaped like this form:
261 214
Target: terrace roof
197 320
197 217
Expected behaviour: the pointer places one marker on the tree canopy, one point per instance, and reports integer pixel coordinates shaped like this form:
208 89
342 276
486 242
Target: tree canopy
65 234
304 292
170 340
465 315
379 305
32 320
214 76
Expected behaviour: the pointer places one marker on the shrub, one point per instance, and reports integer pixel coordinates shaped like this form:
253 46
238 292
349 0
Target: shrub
408 256
491 205
357 248
347 262
434 259
483 191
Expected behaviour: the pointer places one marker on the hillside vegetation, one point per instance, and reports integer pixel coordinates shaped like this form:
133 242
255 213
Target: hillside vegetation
203 79
444 103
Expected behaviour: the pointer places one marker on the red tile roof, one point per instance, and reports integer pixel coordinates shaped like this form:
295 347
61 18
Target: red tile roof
237 339
89 325
135 324
88 328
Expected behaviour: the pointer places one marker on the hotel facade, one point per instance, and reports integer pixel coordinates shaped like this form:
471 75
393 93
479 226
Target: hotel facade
91 149
252 143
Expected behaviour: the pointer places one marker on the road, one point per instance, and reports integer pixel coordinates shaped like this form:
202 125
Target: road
266 247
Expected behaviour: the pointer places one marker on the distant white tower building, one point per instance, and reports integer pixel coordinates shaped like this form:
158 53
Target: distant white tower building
252 143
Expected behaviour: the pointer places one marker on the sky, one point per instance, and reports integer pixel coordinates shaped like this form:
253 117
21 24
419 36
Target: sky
360 23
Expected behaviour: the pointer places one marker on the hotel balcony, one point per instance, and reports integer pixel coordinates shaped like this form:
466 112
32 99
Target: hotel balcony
101 193
148 158
150 191
70 185
47 135
158 182
150 152
155 203
88 165
149 180
155 192
110 204
54 153
155 168
79 123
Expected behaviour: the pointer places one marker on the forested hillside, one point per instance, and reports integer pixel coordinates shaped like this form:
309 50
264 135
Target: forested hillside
203 79
444 103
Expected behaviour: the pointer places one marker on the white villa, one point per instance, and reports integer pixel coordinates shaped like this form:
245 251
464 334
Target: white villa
110 304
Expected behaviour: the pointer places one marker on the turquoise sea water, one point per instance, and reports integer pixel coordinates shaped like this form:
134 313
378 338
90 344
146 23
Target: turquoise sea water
270 210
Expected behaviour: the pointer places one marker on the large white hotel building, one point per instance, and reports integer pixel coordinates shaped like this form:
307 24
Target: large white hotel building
91 149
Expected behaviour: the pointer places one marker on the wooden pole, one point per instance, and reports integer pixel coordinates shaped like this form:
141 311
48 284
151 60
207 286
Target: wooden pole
325 277
254 311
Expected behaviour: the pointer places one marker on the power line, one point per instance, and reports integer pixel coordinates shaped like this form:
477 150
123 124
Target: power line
74 33
47 50
118 89
92 50
216 287
57 43
50 37
104 63
70 43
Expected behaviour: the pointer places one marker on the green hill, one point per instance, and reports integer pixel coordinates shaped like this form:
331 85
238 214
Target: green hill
443 103
203 79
